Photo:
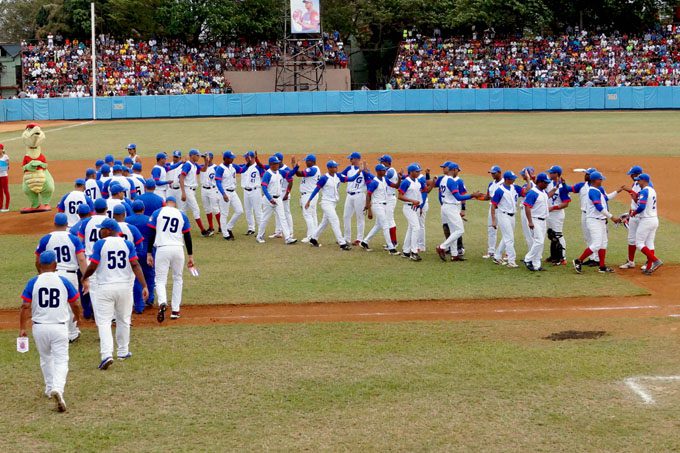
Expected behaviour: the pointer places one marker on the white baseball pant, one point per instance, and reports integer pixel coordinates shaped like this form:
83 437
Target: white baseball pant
646 232
51 340
177 193
280 214
526 231
235 203
556 223
354 206
310 215
190 203
211 200
491 234
586 235
506 223
597 228
330 217
451 217
389 210
73 330
633 224
114 301
379 211
422 231
287 215
413 229
535 253
169 257
252 202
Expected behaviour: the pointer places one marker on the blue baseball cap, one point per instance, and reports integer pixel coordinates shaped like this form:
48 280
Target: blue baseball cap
385 158
594 176
528 170
118 209
48 257
128 161
177 153
132 146
171 200
249 154
60 219
509 175
137 206
555 169
150 184
210 154
310 157
90 172
643 177
445 164
354 155
117 168
83 209
99 163
542 177
228 155
635 170
118 162
137 167
116 189
194 152
80 182
332 164
413 167
100 204
126 169
274 160
109 158
454 166
591 170
110 224
380 167
106 169
279 156
495 169
160 156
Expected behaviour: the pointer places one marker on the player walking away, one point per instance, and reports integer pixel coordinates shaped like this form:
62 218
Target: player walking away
170 231
117 198
225 182
503 210
536 209
70 254
582 189
496 181
4 180
104 176
141 222
132 152
286 186
376 206
597 215
131 233
451 204
98 168
188 182
160 175
151 200
527 174
329 185
209 194
394 178
69 202
559 200
89 234
413 192
115 262
355 199
93 187
46 300
310 178
172 172
138 179
272 188
251 181
648 223
633 221
118 178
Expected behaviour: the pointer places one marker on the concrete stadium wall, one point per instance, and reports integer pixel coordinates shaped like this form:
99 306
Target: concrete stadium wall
508 99
265 81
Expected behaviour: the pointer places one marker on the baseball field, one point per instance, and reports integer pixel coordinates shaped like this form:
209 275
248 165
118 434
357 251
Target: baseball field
291 347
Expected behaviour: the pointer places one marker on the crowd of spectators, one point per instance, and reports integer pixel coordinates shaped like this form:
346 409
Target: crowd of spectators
577 58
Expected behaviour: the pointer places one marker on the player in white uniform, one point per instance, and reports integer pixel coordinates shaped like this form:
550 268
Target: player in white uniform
115 262
413 192
633 221
209 193
159 174
394 178
105 174
138 178
188 182
225 182
286 187
310 177
597 215
93 187
496 181
117 198
329 185
355 199
376 206
132 153
503 210
69 202
536 208
272 188
251 181
89 234
118 178
646 212
170 232
559 200
172 173
528 175
582 188
46 301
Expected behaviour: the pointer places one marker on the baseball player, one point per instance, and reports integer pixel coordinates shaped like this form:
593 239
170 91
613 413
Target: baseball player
69 202
503 210
413 192
137 178
597 214
355 199
209 193
70 255
126 183
109 160
310 178
46 300
160 175
376 206
633 221
115 262
117 198
496 181
272 188
172 172
93 187
451 200
536 208
131 233
328 185
251 181
582 188
463 191
559 201
225 182
105 175
84 213
188 182
89 235
394 178
151 200
98 168
648 222
127 164
132 152
170 231
528 175
141 222
286 186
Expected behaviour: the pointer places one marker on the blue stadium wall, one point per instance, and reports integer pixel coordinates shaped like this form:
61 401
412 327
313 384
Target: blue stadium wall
508 99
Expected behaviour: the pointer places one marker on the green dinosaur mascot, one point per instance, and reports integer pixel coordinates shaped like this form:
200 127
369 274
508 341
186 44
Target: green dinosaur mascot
38 184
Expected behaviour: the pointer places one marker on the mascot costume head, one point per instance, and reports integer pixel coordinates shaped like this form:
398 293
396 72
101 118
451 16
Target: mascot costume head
38 184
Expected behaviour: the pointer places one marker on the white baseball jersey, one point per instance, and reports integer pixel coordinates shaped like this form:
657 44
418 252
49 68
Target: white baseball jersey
250 179
538 201
139 183
208 177
110 204
274 182
170 224
378 190
159 170
49 295
89 232
173 175
583 196
358 185
648 199
507 202
412 189
65 245
284 182
103 179
393 178
635 188
329 190
69 205
114 256
596 195
92 189
228 176
190 170
124 182
310 179
447 190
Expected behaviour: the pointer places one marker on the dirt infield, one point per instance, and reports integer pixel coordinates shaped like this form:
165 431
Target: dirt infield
20 125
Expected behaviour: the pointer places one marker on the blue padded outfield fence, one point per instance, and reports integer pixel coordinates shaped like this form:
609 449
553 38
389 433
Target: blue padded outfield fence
503 99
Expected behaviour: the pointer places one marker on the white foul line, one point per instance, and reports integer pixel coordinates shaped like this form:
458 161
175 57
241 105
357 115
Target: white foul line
636 386
53 130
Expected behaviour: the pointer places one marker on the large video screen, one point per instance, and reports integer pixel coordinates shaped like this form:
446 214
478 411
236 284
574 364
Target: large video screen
304 16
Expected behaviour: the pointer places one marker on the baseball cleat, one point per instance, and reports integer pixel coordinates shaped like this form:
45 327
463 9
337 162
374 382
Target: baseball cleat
528 265
591 263
365 246
59 399
346 247
230 236
304 240
415 257
125 357
560 263
393 252
106 363
457 258
512 264
487 256
655 265
205 233
74 339
605 270
577 266
291 241
627 265
249 233
175 315
643 267
461 252
313 242
259 240
441 252
406 255
161 312
211 232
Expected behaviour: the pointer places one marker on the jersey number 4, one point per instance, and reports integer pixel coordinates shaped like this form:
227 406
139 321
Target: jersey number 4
117 259
48 297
